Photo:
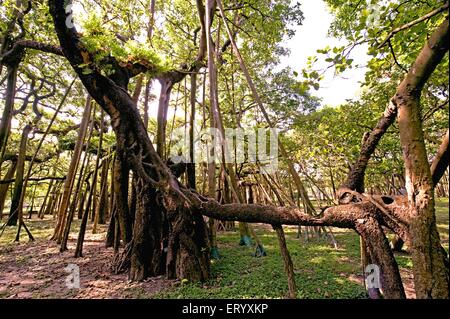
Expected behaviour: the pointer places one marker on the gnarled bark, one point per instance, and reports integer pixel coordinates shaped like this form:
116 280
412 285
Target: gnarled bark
431 277
152 174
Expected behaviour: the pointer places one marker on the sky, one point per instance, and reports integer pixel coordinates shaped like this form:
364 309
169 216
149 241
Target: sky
313 35
309 37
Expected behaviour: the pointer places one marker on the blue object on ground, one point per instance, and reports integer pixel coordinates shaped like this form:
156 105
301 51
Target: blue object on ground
215 253
260 251
245 241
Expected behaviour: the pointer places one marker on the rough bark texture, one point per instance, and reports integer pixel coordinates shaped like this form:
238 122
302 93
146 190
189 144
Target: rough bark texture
440 162
381 255
430 274
413 221
160 195
355 179
152 174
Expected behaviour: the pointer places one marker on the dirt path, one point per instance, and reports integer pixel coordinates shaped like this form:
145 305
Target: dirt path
37 270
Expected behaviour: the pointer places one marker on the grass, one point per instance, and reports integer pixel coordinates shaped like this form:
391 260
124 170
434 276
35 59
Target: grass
320 270
40 229
442 219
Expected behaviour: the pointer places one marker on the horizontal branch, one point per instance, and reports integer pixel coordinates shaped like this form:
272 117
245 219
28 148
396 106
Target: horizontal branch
29 44
343 216
38 179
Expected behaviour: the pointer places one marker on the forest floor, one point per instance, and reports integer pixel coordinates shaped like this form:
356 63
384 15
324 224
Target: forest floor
37 269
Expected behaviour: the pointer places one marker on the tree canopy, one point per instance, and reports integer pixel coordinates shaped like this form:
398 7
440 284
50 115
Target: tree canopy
100 100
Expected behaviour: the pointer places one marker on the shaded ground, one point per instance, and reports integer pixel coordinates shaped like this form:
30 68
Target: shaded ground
37 269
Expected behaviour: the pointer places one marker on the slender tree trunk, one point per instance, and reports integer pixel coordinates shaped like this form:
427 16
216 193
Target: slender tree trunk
164 99
70 178
111 232
4 187
5 124
151 22
81 202
308 205
51 203
191 163
18 184
79 194
440 162
121 177
288 265
138 88
147 102
84 220
102 208
71 214
113 228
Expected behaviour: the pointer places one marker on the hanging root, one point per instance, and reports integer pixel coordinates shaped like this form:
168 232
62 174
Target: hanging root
122 260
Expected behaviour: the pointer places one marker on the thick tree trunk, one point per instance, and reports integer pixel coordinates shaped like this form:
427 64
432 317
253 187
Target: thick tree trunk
381 256
431 277
147 258
188 246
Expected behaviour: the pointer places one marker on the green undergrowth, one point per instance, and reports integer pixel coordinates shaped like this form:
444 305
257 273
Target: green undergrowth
321 271
40 229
